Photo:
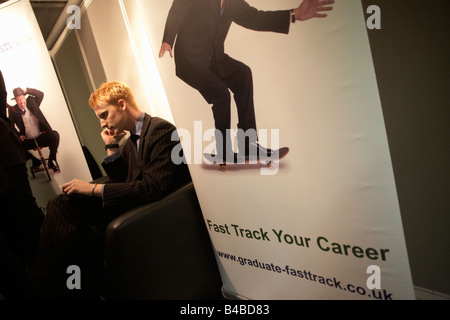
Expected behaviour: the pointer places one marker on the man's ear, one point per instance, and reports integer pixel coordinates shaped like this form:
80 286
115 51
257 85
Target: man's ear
122 104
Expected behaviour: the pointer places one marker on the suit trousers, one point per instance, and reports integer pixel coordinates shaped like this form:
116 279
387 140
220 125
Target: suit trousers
20 217
20 222
46 139
72 235
215 89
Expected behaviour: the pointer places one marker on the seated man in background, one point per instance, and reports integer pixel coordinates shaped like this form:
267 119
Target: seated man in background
140 169
28 118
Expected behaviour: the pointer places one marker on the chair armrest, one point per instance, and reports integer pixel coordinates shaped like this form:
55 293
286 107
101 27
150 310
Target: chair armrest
162 250
101 180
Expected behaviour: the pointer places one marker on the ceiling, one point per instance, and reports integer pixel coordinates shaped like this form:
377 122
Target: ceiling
47 13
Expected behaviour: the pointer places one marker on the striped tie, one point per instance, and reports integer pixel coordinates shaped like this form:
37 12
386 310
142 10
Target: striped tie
133 162
134 138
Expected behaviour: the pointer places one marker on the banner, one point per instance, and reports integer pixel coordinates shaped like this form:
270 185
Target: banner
324 222
26 64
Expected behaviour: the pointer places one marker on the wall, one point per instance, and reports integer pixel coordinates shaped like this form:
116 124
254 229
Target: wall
121 39
411 53
71 68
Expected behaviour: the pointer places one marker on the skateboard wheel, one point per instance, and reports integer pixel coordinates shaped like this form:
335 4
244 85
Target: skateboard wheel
223 168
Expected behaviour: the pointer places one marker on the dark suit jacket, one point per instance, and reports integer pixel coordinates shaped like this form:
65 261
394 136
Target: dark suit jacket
34 101
200 32
3 95
156 174
11 152
20 217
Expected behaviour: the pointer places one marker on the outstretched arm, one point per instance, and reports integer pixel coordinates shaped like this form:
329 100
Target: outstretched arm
312 9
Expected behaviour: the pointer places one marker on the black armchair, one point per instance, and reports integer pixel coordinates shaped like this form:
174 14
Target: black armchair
161 251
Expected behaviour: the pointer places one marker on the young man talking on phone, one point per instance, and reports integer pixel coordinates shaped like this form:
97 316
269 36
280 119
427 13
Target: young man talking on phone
140 170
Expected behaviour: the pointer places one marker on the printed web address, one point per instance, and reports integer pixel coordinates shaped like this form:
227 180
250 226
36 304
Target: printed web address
379 294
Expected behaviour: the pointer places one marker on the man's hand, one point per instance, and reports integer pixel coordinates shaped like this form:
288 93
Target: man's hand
110 138
164 48
312 9
77 186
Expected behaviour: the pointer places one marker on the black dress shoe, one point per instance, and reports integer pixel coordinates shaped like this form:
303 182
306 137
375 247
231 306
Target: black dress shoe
255 150
53 166
36 167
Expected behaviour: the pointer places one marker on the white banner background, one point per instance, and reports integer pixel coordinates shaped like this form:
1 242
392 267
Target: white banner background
317 86
25 62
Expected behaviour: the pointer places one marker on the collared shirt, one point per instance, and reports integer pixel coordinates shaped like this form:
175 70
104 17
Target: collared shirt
137 130
31 124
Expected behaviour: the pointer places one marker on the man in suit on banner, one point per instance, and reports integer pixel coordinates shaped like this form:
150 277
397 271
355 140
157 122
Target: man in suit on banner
28 118
200 28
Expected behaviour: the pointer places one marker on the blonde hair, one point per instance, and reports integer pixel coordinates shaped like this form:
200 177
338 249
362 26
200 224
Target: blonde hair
111 93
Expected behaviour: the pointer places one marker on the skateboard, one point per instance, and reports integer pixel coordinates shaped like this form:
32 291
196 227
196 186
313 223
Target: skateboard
238 159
